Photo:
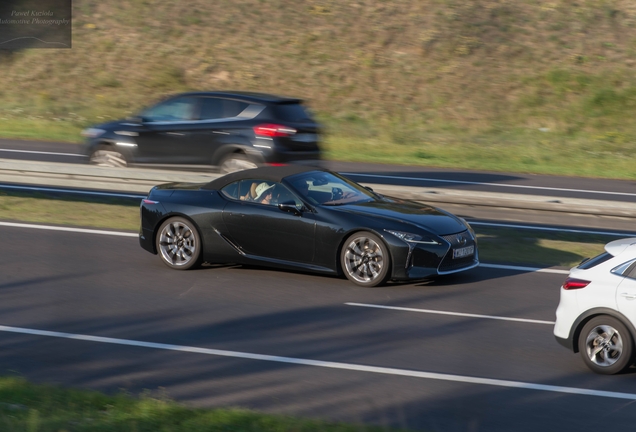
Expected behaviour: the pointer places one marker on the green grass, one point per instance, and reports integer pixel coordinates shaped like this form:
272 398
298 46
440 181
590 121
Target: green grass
539 87
500 245
113 214
537 248
26 407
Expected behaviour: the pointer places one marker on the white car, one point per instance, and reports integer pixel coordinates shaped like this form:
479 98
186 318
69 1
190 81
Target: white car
596 315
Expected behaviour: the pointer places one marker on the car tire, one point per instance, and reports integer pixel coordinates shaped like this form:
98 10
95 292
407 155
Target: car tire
606 345
236 162
179 244
107 156
365 259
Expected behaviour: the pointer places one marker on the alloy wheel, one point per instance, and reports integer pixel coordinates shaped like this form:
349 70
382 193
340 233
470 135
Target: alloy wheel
178 244
236 163
604 345
108 158
365 260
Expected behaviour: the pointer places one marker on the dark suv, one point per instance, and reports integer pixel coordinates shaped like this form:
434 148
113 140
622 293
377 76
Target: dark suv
227 130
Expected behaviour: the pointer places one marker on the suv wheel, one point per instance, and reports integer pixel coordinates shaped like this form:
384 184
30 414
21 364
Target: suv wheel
108 157
606 345
236 162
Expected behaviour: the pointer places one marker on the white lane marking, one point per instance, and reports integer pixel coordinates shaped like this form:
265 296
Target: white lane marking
525 269
570 230
327 364
71 191
76 230
42 152
461 314
493 184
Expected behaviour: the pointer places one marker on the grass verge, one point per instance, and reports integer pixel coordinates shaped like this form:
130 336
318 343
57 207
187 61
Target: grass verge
496 245
44 408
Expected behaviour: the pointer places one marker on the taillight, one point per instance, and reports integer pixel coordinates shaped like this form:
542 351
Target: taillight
273 130
147 201
572 284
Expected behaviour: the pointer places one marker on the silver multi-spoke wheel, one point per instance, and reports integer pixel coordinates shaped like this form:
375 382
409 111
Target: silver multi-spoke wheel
605 345
108 158
179 244
236 162
365 259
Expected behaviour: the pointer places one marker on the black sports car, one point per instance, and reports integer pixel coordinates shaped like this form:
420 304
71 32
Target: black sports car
297 217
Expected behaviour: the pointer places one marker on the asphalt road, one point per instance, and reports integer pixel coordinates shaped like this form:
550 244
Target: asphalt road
106 286
571 187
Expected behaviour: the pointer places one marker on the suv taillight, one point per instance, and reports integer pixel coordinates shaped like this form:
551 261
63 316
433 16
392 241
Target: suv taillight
572 284
273 130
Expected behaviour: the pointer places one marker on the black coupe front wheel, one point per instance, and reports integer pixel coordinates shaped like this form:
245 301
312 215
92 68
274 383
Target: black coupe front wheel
365 259
179 244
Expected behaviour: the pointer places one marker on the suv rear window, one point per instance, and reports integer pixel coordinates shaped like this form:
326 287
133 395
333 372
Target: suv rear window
593 262
291 112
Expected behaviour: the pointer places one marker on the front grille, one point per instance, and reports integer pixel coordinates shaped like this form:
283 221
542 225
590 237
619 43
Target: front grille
459 240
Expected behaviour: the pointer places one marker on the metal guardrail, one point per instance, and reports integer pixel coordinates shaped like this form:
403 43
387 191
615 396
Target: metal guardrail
91 180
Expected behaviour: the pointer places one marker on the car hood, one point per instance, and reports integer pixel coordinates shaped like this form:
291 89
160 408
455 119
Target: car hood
430 218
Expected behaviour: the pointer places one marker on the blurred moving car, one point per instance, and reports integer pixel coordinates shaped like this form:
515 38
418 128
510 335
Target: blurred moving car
303 218
227 130
596 315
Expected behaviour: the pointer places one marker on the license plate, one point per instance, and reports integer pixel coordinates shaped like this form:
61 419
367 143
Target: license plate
463 252
304 137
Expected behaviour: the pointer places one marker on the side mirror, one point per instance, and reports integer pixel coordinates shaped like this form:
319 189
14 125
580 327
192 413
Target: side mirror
290 207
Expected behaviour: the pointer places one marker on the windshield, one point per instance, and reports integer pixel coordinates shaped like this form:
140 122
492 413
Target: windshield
324 188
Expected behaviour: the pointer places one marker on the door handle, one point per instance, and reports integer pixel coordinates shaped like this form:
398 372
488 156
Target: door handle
175 133
629 296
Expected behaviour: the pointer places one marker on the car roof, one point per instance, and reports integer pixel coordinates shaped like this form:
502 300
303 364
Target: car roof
617 247
245 96
270 173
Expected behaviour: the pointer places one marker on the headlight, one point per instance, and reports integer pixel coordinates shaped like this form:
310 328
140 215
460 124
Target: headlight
413 238
92 132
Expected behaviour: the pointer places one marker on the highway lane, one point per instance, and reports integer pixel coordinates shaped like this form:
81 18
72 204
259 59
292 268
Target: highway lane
106 286
524 184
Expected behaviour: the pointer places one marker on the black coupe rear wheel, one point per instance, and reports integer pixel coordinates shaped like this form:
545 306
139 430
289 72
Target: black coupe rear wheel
179 244
365 259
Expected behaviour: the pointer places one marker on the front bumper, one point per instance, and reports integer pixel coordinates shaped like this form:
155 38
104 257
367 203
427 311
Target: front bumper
423 261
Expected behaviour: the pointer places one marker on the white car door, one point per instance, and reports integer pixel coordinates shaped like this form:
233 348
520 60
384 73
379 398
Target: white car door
626 292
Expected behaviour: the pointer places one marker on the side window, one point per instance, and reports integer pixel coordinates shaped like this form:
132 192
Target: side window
282 195
231 190
232 108
215 108
631 271
626 269
211 108
261 192
178 109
